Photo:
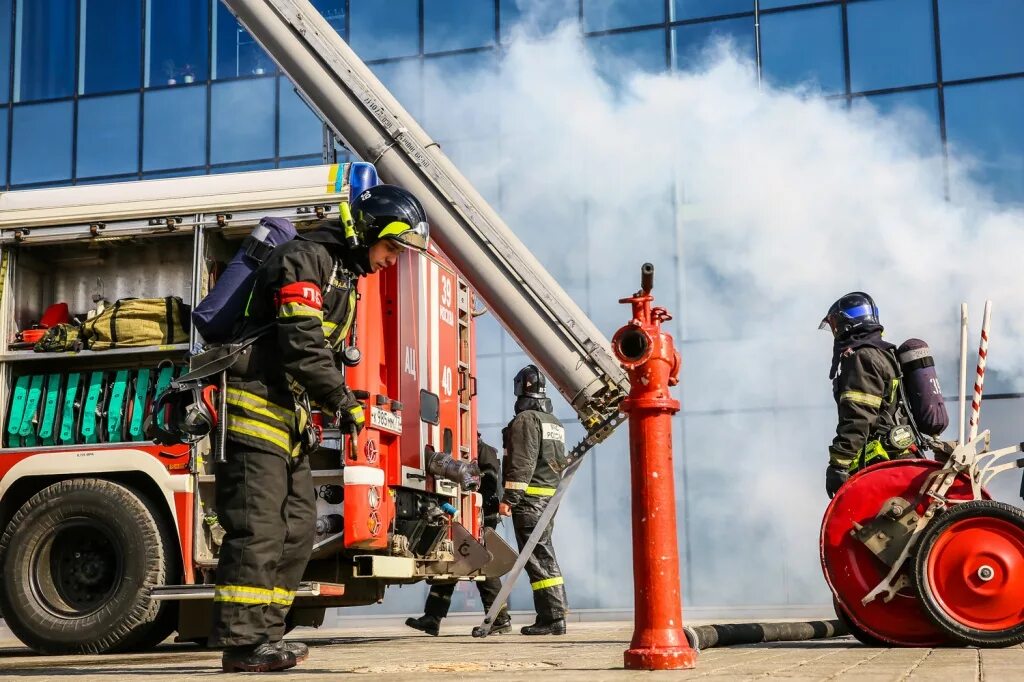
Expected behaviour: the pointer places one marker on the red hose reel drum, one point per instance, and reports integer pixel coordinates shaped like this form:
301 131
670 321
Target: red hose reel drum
852 570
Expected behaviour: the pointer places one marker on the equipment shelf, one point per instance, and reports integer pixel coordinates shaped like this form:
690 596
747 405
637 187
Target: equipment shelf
31 355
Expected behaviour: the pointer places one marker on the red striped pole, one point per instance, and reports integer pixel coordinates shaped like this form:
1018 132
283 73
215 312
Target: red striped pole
979 379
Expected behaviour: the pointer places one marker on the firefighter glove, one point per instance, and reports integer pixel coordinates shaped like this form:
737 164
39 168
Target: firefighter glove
349 412
835 477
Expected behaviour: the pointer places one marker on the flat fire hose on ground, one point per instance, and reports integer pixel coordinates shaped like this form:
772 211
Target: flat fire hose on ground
575 460
731 634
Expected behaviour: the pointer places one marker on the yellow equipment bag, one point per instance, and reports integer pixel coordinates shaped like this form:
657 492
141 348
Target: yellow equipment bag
138 322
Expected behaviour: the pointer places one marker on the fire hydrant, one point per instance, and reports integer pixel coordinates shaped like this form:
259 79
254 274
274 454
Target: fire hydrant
649 356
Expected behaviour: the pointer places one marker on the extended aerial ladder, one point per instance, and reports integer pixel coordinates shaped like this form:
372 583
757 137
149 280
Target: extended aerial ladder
526 300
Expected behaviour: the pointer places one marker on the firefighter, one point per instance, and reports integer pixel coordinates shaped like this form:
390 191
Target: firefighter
534 443
873 426
440 597
301 308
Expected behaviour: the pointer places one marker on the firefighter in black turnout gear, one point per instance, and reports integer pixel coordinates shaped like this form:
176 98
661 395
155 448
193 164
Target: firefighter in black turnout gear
873 425
535 457
301 307
440 598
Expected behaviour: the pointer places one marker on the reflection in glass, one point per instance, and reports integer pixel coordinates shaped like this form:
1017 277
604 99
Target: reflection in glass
111 46
301 161
45 40
621 55
693 41
41 151
983 120
108 135
698 9
474 70
300 131
456 25
891 44
177 49
174 128
805 46
6 32
242 120
602 15
920 104
981 37
3 146
384 29
242 167
536 18
334 12
237 53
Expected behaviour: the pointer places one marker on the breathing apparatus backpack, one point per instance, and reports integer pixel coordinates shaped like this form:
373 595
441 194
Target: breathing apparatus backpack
216 315
921 387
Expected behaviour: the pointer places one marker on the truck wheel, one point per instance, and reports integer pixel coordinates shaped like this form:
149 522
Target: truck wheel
78 561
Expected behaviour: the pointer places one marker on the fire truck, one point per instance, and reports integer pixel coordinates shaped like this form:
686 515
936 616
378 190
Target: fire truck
109 541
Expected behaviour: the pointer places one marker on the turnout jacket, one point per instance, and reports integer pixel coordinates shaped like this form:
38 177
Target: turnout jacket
866 392
535 456
490 477
305 292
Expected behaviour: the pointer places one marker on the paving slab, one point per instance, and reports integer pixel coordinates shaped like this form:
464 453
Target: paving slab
591 651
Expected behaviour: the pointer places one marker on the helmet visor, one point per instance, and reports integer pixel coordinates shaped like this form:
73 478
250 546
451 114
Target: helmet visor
415 237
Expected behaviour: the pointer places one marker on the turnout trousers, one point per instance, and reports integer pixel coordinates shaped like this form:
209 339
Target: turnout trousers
440 598
266 506
549 598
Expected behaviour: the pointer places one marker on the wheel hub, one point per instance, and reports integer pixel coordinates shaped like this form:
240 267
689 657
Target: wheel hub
80 569
976 570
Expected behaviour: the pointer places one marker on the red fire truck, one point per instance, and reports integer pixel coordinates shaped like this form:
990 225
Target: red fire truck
108 541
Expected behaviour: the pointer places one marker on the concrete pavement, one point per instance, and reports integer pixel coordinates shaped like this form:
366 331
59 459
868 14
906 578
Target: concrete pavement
591 651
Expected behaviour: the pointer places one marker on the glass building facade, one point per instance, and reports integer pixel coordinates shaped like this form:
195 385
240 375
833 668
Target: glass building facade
110 90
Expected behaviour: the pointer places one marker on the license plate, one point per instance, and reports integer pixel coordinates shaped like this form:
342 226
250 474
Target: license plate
386 420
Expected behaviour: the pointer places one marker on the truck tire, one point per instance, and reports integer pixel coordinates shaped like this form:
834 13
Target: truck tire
78 560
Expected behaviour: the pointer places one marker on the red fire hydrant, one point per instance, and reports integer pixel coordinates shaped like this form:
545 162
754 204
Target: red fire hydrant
650 357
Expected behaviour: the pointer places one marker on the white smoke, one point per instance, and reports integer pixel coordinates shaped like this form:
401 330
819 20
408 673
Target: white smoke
759 207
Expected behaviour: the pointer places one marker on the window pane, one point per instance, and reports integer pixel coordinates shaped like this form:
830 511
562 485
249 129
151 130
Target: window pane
178 43
983 120
334 12
177 173
300 131
772 4
3 146
111 45
620 55
243 167
536 18
804 46
303 161
6 14
692 40
441 120
601 15
242 121
891 44
237 53
981 37
456 25
174 129
404 80
108 135
42 143
384 29
918 111
46 41
697 9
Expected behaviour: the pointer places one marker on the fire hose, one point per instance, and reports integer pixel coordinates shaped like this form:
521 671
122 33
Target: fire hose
732 634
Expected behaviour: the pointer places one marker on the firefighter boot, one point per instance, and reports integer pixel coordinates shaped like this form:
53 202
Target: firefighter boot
502 623
262 658
555 627
297 649
425 623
